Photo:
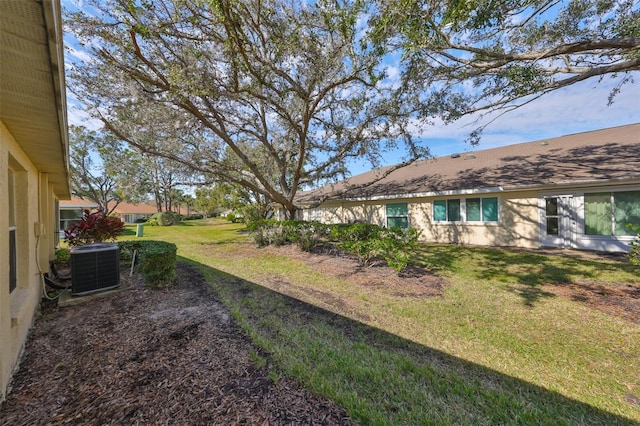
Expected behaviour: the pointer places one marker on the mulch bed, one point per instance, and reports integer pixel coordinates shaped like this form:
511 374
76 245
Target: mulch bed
144 356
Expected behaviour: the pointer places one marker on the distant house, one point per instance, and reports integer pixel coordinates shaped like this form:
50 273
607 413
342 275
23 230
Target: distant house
576 191
71 211
132 213
34 158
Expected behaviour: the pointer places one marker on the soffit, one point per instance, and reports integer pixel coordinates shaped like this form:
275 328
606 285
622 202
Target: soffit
32 98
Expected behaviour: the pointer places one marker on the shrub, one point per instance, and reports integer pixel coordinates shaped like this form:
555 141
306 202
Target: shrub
164 219
396 246
234 218
364 240
156 260
359 239
310 234
94 228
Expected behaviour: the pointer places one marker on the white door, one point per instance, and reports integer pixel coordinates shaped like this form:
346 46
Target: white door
558 221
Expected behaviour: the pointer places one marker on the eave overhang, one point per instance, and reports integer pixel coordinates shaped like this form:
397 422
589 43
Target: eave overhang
32 86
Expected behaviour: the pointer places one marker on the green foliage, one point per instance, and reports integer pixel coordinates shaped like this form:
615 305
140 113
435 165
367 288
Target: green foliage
63 255
234 218
103 169
634 253
454 44
249 149
93 228
164 219
397 246
366 241
156 260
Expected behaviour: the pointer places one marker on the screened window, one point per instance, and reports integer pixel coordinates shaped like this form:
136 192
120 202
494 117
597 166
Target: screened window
13 277
477 210
474 211
490 209
551 213
626 208
397 215
607 213
446 210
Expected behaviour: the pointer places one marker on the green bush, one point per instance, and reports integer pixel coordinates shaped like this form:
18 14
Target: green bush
234 218
364 240
156 260
164 219
396 246
63 255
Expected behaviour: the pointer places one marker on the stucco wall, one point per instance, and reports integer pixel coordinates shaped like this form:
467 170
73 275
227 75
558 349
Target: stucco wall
517 225
34 220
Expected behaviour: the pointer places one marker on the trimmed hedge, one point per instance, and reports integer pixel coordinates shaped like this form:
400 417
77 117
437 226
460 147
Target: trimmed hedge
156 260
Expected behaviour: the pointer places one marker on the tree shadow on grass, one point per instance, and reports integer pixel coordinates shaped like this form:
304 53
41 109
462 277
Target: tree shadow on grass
380 378
524 272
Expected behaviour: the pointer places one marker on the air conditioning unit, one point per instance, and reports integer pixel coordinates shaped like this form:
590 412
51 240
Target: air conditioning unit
94 267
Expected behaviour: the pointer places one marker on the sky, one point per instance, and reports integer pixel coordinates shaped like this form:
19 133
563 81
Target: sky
578 108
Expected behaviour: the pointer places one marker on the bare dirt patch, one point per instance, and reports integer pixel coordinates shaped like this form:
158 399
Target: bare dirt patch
619 299
144 356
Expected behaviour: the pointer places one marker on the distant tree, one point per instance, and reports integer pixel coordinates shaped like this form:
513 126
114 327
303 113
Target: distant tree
235 197
468 57
103 169
272 95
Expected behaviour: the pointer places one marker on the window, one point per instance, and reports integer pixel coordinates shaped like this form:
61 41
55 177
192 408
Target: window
626 210
13 256
551 213
490 209
68 217
477 210
446 210
610 213
474 211
398 215
13 260
482 209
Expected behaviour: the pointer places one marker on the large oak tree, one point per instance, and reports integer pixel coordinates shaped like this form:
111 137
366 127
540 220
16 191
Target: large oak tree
492 56
272 95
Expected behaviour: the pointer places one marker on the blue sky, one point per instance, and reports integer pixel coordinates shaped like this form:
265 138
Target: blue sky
578 108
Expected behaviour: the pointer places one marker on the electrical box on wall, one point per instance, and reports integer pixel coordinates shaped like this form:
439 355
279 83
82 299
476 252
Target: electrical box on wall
38 229
94 267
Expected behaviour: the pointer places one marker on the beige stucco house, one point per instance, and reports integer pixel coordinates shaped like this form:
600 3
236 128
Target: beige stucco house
33 163
576 191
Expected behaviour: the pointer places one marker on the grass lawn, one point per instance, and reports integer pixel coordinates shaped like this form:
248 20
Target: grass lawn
496 348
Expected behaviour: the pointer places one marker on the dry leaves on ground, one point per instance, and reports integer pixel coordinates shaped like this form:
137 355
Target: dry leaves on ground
143 356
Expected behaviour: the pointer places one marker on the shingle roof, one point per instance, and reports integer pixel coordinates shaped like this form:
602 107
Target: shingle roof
601 155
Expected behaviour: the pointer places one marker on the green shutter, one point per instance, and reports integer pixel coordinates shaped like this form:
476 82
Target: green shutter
490 209
626 211
473 209
453 210
439 210
597 214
